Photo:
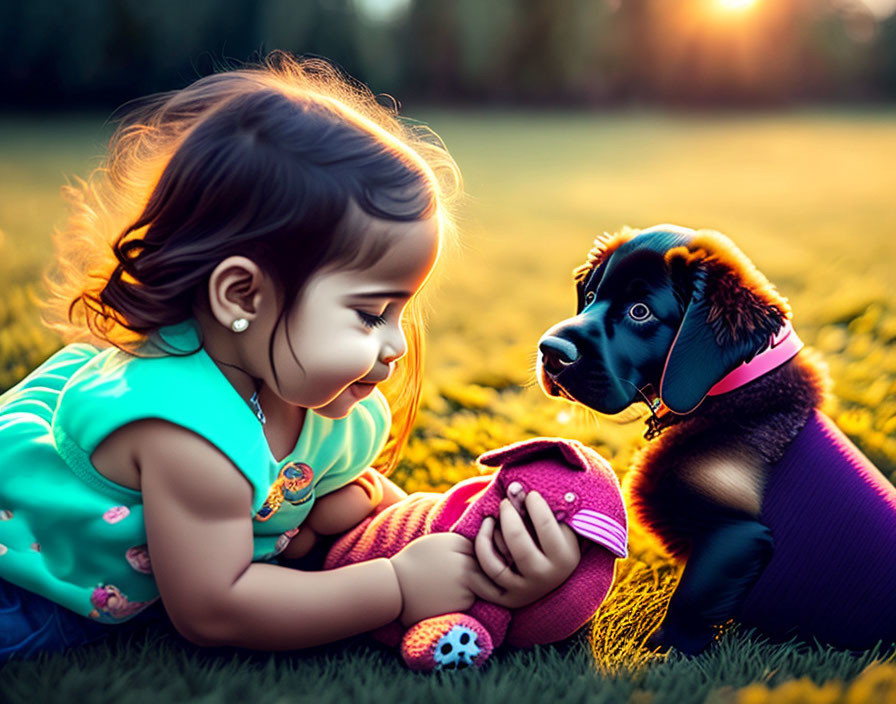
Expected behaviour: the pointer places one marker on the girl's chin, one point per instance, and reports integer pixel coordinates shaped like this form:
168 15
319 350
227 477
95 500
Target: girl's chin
343 403
360 390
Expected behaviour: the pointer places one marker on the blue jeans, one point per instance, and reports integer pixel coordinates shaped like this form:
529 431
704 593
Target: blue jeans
31 624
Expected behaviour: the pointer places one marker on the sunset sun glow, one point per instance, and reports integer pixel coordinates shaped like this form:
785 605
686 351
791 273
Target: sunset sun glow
736 4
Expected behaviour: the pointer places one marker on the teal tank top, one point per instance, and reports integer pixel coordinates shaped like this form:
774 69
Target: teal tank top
77 538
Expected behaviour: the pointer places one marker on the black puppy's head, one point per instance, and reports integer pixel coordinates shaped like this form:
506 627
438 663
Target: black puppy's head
667 308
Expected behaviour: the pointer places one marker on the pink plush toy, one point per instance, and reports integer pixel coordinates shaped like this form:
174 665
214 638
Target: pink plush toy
583 492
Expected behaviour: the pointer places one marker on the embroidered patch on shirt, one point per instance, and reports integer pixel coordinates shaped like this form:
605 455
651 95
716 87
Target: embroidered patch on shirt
111 605
293 485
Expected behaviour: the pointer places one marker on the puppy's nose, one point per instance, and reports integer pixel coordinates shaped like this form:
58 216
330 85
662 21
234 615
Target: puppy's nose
557 354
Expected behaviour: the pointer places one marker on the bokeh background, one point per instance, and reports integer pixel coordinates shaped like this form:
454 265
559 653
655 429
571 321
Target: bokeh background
770 120
549 52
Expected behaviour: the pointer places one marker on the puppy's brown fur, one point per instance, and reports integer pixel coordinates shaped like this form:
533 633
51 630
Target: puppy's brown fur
720 451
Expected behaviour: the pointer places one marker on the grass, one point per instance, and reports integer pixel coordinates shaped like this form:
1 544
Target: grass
807 195
155 665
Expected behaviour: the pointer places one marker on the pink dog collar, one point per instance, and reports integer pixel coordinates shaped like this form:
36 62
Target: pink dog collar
782 348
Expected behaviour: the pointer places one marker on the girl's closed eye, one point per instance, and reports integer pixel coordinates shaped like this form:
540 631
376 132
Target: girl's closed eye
371 320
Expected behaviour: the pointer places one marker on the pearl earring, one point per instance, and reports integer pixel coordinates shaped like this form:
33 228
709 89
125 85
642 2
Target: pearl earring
239 325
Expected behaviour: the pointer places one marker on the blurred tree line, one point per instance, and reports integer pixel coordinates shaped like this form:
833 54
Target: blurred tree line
99 52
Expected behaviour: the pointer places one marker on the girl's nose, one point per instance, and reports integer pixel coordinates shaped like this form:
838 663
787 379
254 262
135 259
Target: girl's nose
394 346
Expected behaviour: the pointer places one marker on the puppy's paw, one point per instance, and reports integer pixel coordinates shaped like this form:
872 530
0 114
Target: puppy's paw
657 642
690 641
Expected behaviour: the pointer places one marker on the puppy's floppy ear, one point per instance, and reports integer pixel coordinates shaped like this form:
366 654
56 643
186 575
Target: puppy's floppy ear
731 315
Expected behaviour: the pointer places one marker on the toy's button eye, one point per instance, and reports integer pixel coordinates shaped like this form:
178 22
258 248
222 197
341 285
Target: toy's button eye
589 298
569 497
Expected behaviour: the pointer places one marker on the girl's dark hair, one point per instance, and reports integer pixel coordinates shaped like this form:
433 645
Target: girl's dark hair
265 161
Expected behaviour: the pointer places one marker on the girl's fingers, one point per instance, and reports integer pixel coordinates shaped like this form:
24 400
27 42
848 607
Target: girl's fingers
550 536
517 496
527 556
502 547
485 588
491 563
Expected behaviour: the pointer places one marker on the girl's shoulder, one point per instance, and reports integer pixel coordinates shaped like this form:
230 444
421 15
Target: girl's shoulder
114 389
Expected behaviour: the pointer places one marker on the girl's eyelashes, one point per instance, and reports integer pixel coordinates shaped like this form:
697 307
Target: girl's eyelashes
370 320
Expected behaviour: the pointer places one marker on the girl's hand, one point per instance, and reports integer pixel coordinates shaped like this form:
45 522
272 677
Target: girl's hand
437 574
521 569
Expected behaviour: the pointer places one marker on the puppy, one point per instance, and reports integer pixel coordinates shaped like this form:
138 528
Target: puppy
781 522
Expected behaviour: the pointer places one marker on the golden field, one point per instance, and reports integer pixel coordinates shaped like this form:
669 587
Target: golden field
808 196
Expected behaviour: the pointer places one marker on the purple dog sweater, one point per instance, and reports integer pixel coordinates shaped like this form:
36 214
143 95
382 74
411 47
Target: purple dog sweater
832 515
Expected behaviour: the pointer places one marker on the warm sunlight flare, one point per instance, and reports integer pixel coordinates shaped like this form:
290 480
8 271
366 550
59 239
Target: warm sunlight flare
736 4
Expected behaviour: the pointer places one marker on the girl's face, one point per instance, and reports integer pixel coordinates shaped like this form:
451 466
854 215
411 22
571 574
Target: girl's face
345 329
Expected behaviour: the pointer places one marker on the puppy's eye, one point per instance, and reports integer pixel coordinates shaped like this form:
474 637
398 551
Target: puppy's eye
589 298
639 312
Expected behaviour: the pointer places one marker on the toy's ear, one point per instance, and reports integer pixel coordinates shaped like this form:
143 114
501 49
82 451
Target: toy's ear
573 452
732 314
603 529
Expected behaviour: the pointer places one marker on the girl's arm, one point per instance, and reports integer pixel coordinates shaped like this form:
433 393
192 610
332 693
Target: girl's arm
345 508
199 532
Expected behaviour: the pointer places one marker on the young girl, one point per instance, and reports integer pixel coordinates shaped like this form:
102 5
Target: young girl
269 227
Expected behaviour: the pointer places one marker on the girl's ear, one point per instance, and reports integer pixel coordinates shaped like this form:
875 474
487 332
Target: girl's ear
235 290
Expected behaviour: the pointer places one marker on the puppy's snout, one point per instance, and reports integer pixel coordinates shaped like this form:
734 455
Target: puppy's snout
557 354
